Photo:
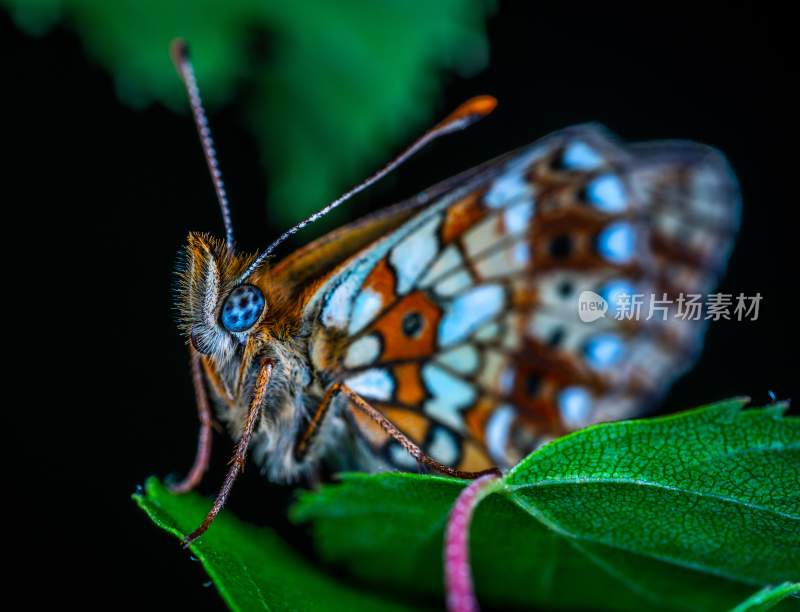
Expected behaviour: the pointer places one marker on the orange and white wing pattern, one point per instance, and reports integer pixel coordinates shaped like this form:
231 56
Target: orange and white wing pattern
462 324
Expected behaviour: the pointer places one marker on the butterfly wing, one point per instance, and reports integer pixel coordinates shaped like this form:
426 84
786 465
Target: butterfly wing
462 324
299 276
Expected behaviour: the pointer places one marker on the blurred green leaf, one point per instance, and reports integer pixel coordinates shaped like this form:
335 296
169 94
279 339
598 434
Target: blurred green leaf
769 597
337 86
253 568
681 512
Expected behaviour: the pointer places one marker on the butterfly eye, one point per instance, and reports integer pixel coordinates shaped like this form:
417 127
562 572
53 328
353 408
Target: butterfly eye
242 308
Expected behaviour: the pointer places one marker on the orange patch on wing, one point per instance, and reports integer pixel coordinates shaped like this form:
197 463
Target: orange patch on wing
368 428
397 345
544 414
523 294
535 395
462 215
381 281
413 424
473 458
477 416
409 385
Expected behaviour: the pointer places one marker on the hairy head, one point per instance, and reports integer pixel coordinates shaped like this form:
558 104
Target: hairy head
217 310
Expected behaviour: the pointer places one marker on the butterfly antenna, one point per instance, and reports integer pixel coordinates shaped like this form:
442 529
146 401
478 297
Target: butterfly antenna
465 115
180 56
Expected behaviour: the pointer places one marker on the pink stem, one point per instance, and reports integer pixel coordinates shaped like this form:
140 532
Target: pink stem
457 571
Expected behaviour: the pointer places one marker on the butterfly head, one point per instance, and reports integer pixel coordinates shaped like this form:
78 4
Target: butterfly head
217 310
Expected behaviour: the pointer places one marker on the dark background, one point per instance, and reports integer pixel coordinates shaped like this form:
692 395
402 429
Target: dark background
103 196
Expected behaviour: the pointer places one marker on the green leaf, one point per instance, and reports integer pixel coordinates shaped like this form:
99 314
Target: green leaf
341 84
715 488
388 529
678 512
769 597
252 568
577 524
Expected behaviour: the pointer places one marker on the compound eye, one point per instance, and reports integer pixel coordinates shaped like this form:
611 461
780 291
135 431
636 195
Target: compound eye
242 308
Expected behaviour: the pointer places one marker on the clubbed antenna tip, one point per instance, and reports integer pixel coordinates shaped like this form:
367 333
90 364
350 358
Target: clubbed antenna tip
465 115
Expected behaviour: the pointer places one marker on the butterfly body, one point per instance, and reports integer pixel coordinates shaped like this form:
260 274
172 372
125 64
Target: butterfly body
455 314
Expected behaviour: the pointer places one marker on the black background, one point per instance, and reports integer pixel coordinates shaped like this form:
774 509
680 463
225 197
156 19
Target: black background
103 196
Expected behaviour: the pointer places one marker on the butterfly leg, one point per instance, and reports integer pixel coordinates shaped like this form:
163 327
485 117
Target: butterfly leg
204 437
385 424
307 437
414 450
237 461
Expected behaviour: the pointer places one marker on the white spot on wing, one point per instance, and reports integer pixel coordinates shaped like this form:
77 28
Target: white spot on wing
518 217
487 333
469 311
511 335
547 327
504 262
617 242
483 235
450 396
521 254
498 427
494 365
448 260
362 352
413 254
669 224
400 457
603 351
614 292
366 306
506 188
453 283
337 308
375 383
575 404
506 380
443 447
607 193
580 156
463 359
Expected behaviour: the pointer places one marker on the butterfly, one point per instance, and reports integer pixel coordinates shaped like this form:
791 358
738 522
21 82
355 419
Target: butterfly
444 331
